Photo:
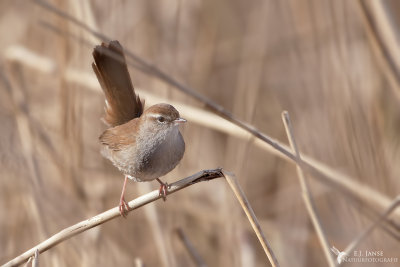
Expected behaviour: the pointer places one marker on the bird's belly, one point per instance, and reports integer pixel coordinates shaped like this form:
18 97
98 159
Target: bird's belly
161 160
152 161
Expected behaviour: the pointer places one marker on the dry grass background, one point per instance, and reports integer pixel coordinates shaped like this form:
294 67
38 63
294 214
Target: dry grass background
312 58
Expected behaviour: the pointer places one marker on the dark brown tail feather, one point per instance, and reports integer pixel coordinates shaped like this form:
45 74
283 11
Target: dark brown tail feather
122 104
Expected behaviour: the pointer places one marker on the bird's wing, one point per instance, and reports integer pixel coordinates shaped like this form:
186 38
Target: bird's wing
122 104
119 137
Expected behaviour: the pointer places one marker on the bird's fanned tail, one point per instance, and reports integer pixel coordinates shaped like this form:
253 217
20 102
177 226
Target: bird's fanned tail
122 104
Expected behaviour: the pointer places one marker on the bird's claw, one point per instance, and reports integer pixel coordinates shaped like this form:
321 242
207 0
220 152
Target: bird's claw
123 207
163 191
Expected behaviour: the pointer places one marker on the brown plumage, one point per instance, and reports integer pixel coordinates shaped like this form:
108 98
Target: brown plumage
144 145
118 137
122 104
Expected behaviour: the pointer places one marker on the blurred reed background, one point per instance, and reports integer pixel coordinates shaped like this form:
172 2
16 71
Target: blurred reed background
323 61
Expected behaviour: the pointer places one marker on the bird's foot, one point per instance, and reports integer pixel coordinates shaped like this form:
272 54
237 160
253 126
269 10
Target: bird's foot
163 189
123 207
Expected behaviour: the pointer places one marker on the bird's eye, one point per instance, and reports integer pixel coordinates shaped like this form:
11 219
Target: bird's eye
161 119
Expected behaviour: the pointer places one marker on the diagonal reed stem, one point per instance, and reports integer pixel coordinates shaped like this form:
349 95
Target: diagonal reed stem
241 197
352 246
306 193
205 175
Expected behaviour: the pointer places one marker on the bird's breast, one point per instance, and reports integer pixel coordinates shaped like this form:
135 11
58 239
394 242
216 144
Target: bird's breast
157 155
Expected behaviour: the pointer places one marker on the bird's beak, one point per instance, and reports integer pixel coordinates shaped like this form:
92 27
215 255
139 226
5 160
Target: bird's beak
179 120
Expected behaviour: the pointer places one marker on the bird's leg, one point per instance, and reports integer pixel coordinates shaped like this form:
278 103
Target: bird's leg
163 189
123 206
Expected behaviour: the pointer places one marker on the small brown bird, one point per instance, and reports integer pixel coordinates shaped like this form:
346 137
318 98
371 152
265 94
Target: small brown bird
143 144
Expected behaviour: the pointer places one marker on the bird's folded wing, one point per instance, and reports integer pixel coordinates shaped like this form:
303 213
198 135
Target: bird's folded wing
120 137
122 104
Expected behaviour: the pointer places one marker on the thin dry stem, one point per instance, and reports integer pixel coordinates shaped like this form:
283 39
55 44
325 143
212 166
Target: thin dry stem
29 262
160 239
205 175
352 246
197 259
382 32
306 193
35 261
241 197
